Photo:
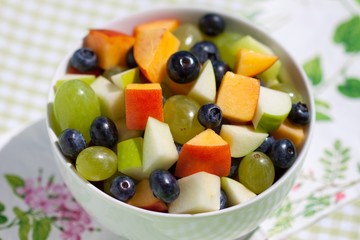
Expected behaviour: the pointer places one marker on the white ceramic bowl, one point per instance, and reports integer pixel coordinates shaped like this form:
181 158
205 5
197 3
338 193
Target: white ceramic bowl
234 222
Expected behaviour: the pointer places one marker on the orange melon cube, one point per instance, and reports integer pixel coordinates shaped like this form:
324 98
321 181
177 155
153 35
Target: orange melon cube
141 102
110 46
238 96
152 49
206 152
169 24
291 131
250 63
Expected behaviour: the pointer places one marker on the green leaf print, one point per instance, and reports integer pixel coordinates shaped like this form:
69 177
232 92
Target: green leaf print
350 88
15 182
316 204
313 70
24 224
41 229
2 207
283 218
335 162
348 34
322 109
3 219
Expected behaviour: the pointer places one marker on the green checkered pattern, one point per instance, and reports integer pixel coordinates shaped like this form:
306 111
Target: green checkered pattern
36 34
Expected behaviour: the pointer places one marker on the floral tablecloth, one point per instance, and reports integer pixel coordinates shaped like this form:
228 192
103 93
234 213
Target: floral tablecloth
323 36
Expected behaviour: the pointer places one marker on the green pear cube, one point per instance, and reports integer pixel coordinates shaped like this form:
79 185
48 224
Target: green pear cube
130 160
204 89
235 191
272 109
159 150
242 139
124 78
111 98
199 192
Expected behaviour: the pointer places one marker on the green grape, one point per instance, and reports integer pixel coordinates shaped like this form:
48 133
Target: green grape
188 34
256 172
180 112
96 163
76 106
224 42
293 93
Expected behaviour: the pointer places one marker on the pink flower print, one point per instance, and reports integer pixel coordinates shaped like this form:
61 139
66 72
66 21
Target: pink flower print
296 187
339 196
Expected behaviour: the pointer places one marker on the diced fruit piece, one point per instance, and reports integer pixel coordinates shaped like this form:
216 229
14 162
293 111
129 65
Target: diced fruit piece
235 191
103 132
71 143
188 34
96 163
251 43
130 157
87 78
256 172
159 150
111 98
199 192
250 63
212 24
122 188
110 46
84 59
180 112
283 153
164 185
206 152
144 198
183 67
238 97
126 77
168 24
289 89
272 109
75 106
243 139
152 49
204 89
141 102
293 132
124 133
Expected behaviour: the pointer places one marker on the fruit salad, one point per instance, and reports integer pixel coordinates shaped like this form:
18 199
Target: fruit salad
178 117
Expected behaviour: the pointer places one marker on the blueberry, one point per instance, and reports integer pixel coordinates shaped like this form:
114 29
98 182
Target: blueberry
283 153
178 147
122 188
223 199
212 24
83 59
299 114
220 68
103 132
71 143
164 185
130 59
266 144
183 67
210 115
205 50
234 167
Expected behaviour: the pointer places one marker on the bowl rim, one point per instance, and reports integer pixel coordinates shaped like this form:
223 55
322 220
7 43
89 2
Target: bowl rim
198 10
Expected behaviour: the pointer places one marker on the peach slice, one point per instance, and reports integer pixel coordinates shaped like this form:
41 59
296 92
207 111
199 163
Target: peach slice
169 24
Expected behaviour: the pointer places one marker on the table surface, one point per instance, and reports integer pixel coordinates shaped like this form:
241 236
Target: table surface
321 35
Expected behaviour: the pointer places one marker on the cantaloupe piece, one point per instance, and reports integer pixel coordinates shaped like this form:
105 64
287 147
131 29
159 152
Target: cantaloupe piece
291 131
206 152
169 24
152 49
250 63
238 96
142 101
110 46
